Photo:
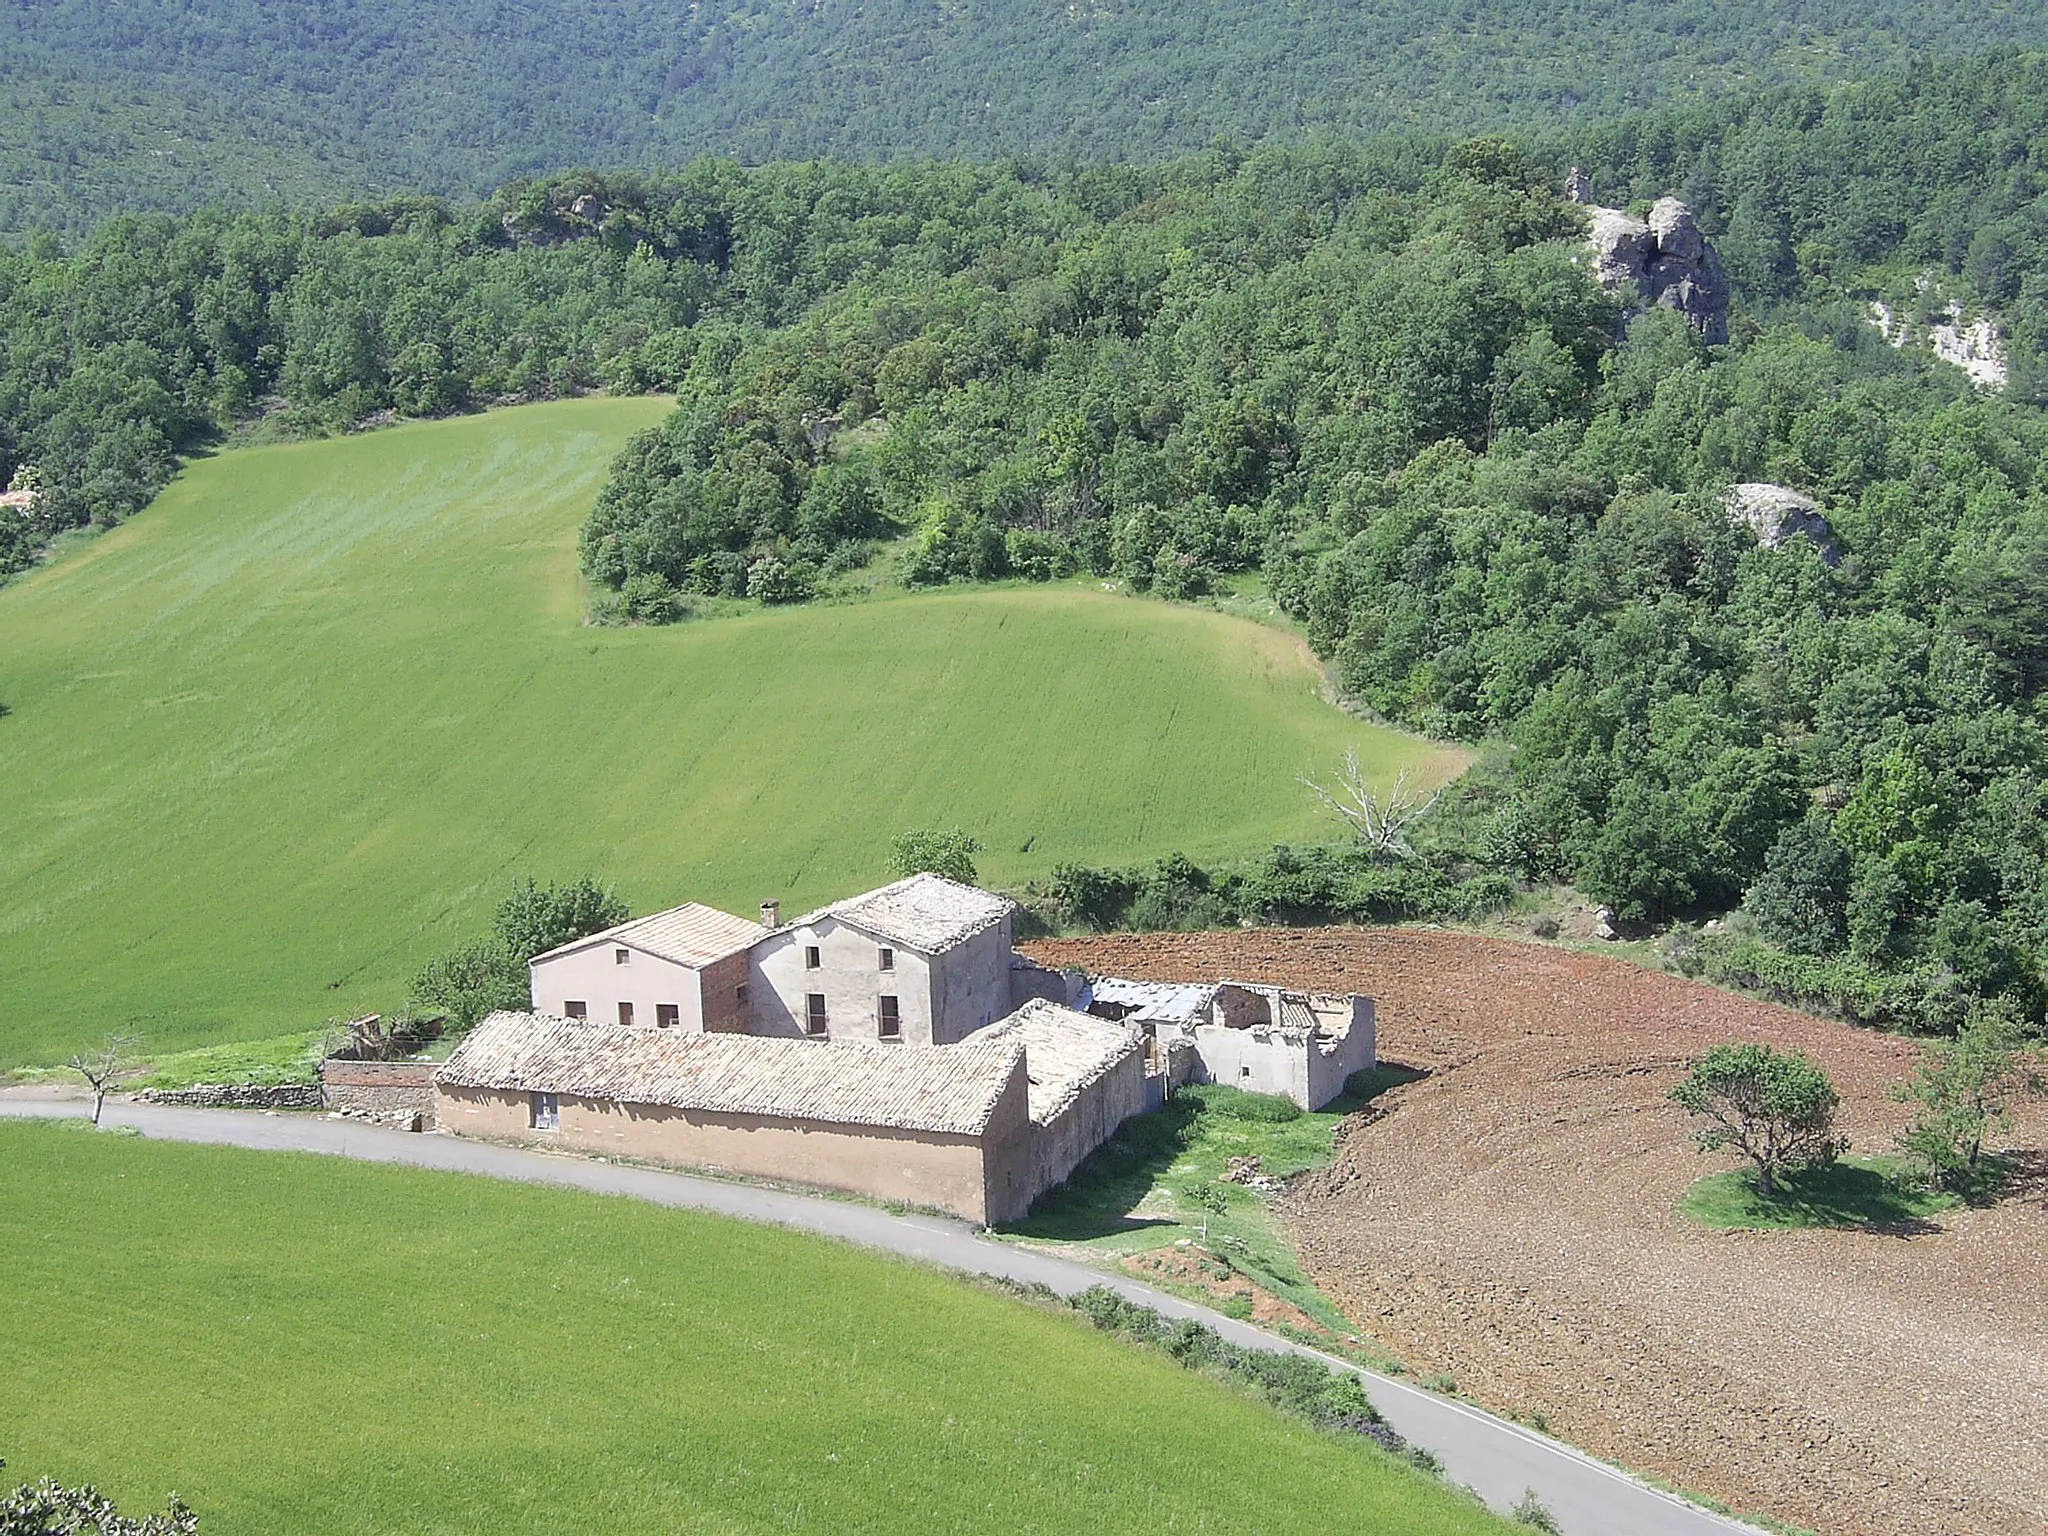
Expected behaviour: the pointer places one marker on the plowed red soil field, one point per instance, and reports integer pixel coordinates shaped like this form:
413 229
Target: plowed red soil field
1509 1221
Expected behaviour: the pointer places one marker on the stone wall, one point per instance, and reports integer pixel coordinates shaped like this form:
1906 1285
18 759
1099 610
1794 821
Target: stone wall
397 1090
237 1096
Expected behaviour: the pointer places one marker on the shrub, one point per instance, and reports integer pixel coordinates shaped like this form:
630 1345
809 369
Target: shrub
926 850
48 1508
469 982
649 599
1237 1104
535 918
771 579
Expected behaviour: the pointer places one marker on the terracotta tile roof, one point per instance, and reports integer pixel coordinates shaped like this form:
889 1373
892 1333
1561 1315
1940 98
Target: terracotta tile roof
927 913
1064 1051
951 1088
692 934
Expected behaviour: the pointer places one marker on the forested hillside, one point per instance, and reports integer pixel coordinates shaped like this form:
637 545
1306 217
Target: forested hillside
1378 377
120 108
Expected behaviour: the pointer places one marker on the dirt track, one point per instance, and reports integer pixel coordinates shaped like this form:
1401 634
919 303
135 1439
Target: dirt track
1509 1222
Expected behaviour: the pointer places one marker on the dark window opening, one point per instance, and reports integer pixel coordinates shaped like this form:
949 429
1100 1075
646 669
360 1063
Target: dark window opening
814 1013
812 959
667 1015
621 956
547 1112
625 1013
889 1020
888 959
576 1010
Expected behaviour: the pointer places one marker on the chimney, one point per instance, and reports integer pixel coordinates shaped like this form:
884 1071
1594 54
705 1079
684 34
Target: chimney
771 914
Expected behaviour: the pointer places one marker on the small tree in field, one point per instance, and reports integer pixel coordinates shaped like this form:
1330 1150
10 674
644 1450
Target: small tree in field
103 1068
928 850
1962 1089
1212 1202
1774 1107
1381 822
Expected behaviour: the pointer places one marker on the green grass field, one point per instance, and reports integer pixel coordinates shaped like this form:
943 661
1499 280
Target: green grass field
297 728
296 1344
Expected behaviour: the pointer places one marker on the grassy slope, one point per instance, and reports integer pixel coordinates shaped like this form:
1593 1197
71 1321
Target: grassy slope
295 1344
297 727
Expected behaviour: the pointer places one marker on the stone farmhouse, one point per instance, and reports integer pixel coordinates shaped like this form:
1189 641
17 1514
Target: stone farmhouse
893 1044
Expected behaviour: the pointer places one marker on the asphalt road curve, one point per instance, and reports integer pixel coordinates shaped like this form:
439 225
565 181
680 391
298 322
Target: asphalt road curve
1495 1457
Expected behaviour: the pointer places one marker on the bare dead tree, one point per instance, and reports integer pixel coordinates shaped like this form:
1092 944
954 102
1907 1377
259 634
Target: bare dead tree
1381 822
103 1068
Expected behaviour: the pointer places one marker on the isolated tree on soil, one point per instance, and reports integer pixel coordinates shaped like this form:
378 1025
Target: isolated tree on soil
1776 1108
1962 1090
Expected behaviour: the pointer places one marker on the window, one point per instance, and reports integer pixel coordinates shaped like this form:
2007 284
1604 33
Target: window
814 1013
576 1010
667 1015
812 959
889 1020
622 956
547 1112
625 1013
739 995
888 960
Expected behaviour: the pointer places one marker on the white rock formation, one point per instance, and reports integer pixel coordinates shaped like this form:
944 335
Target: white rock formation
1976 347
1776 513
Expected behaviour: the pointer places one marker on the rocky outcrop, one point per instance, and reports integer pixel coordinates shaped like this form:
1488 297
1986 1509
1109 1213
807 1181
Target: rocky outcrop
1974 345
1664 260
1777 513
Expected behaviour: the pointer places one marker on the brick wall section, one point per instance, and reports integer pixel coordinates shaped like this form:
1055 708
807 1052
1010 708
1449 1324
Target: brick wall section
380 1087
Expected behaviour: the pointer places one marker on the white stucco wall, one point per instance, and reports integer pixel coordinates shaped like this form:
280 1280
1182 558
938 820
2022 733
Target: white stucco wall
971 985
1310 1071
594 977
850 977
1331 1063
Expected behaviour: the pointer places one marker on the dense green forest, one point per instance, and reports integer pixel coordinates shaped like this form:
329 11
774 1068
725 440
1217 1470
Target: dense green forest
134 107
1380 378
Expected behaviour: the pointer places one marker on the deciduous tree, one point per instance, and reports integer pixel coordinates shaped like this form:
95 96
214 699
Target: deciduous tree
1776 1108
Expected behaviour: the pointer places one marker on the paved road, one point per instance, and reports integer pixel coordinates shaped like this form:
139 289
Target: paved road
1497 1458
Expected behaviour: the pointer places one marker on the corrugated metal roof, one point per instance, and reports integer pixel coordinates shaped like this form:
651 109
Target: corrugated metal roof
928 913
951 1088
692 934
1153 1002
1064 1051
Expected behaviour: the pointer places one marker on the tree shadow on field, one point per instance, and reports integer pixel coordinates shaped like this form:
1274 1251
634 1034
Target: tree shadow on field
1844 1196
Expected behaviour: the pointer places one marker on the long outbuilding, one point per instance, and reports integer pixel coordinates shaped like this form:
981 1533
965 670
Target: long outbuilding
979 1129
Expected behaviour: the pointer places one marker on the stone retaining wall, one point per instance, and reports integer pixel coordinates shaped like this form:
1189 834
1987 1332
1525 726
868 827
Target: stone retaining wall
237 1096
